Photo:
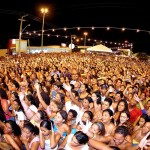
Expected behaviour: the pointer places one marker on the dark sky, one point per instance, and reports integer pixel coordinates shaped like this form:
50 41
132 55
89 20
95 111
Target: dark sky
83 13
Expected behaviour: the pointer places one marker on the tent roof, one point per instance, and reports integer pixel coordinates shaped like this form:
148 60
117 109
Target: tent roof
99 48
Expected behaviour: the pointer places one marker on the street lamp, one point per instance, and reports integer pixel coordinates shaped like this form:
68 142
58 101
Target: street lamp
85 34
20 32
43 11
25 27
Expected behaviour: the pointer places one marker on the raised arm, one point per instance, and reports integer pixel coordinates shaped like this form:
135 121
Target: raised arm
37 87
68 88
99 145
29 113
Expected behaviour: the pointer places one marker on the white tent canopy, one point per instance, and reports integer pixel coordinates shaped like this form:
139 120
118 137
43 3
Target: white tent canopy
99 48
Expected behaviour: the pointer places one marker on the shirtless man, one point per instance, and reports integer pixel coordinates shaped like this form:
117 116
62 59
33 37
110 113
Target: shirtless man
118 140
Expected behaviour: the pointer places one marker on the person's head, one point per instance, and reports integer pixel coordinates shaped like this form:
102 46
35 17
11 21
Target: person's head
124 117
143 96
45 127
29 100
122 88
12 127
130 89
55 106
87 102
79 139
77 85
3 94
62 79
104 88
61 117
74 75
14 85
120 135
118 82
60 97
107 103
109 82
17 105
14 95
122 105
133 103
146 128
118 96
57 86
87 116
107 116
72 114
83 88
29 130
39 116
97 128
96 97
143 119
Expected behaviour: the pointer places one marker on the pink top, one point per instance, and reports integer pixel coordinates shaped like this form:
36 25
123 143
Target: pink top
7 116
36 139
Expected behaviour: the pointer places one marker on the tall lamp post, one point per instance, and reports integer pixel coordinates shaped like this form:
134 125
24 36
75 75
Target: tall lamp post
85 34
20 33
43 11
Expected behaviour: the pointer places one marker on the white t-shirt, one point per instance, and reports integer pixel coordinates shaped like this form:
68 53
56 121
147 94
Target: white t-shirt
33 108
69 106
47 145
19 116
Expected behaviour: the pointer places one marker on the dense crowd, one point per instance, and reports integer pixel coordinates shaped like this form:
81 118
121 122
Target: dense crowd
74 101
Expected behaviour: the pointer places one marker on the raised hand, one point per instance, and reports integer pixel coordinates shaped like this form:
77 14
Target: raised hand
137 98
144 141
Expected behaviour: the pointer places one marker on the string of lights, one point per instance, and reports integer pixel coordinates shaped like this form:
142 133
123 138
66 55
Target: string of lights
77 39
93 28
49 33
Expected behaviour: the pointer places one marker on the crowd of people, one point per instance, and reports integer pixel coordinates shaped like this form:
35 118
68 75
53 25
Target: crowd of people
74 101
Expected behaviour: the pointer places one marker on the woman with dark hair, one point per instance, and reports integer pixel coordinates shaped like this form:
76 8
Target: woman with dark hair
30 137
18 111
141 122
96 97
78 140
45 136
3 144
30 101
12 134
5 104
124 121
2 116
122 106
96 130
39 117
60 125
84 92
85 122
107 119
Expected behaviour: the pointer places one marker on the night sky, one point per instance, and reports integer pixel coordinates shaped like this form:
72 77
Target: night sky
83 13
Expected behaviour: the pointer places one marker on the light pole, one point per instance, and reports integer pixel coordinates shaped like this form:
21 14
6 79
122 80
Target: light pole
44 11
20 33
85 34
